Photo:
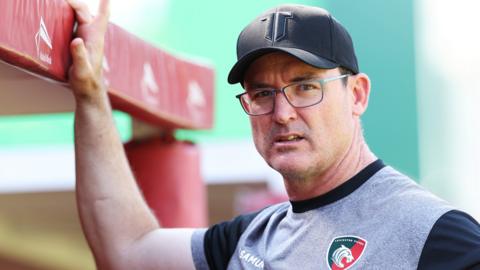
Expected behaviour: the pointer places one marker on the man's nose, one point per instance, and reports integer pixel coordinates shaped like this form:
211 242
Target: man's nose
283 111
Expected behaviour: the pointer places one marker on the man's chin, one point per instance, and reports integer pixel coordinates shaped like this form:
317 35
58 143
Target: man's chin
288 165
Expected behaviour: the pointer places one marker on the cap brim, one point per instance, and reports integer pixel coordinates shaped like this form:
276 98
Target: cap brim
238 70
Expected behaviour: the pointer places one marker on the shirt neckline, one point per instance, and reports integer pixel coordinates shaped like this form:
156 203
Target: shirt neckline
339 192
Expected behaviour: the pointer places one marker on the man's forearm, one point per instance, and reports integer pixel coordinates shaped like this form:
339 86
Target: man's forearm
112 210
120 229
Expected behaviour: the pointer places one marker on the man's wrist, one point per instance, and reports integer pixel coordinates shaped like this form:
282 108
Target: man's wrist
99 102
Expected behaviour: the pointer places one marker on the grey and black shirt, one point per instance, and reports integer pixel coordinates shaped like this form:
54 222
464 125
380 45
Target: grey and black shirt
379 219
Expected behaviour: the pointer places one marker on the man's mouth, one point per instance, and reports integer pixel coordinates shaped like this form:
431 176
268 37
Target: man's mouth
289 138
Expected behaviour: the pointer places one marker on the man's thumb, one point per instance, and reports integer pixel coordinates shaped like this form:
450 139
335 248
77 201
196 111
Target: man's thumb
79 55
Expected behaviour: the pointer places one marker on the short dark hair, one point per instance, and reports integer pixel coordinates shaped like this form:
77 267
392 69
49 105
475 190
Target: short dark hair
345 71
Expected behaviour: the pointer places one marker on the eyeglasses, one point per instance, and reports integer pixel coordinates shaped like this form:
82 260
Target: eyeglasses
300 95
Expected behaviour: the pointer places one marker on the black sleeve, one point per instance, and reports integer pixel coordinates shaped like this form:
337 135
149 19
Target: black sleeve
453 243
221 240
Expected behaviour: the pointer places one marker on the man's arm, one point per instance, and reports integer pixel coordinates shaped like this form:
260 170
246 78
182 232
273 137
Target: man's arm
119 227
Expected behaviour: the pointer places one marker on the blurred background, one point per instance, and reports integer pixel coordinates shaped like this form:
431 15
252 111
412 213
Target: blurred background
422 57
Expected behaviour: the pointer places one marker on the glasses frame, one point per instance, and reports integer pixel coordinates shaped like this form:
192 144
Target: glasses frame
282 90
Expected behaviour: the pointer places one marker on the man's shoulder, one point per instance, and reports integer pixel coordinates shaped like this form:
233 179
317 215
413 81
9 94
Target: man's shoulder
238 224
395 198
391 186
219 242
453 243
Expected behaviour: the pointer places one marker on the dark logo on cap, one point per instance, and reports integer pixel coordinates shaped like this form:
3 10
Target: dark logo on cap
277 25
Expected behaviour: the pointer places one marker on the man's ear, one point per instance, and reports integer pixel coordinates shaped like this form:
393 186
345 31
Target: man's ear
360 86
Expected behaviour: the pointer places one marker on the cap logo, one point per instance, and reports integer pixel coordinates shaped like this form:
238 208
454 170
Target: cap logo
277 25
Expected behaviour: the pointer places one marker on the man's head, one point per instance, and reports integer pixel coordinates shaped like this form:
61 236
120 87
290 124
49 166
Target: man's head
310 119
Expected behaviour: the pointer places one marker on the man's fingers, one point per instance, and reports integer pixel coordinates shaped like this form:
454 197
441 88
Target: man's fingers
81 11
80 57
103 14
85 74
104 8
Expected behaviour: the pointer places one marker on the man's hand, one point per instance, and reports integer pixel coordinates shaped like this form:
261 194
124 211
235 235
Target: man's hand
85 74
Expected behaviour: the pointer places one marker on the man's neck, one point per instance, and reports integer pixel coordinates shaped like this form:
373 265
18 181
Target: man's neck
356 158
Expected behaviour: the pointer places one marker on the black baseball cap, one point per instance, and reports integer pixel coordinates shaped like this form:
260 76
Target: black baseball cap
308 33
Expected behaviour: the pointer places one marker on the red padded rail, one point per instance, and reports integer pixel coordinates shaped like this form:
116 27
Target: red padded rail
144 81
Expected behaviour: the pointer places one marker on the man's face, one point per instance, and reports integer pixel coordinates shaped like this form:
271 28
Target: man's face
300 143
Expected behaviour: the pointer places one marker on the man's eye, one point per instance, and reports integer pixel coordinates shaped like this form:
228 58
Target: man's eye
308 86
261 94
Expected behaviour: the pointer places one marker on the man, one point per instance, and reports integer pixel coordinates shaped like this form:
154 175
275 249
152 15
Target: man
305 95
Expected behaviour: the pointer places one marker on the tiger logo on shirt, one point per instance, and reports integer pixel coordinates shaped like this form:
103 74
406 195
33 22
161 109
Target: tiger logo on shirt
345 251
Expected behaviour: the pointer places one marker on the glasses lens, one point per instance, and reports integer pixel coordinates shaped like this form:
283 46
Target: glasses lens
304 94
258 102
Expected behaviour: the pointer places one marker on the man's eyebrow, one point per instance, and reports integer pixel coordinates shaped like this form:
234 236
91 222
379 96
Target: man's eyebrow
304 77
298 78
257 85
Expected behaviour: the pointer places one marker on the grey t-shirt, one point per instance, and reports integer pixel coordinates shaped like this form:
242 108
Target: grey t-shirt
379 219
